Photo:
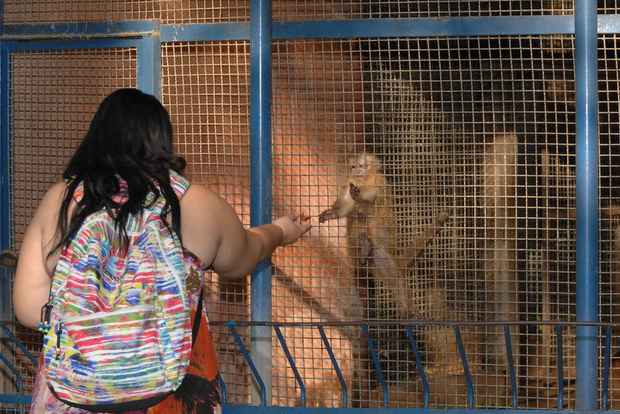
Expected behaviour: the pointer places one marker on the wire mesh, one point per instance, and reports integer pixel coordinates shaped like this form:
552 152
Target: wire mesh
609 186
205 86
53 97
475 211
166 11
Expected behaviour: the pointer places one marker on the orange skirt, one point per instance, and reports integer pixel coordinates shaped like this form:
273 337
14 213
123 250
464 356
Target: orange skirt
199 393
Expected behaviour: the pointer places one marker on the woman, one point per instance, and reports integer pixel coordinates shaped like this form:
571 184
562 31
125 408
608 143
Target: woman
125 155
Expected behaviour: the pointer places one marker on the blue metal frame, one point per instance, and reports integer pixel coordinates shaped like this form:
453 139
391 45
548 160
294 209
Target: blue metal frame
5 214
260 176
149 64
586 78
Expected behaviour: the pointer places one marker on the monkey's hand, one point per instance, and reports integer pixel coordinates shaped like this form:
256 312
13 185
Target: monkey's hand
328 214
355 192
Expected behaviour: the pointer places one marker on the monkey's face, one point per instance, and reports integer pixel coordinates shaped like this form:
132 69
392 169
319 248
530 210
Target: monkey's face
362 165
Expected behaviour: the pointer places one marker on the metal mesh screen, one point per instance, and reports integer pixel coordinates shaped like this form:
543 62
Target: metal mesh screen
476 142
166 11
205 86
53 97
609 192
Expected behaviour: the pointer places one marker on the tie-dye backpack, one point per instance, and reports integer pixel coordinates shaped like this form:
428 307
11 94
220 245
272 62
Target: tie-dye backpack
118 334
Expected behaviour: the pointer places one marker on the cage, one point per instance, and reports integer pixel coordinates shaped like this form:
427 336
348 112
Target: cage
459 278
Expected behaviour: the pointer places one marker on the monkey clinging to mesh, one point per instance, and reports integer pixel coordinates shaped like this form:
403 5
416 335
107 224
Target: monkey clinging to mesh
365 200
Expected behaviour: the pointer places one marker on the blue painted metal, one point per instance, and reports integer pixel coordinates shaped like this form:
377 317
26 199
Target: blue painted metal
79 30
208 32
8 335
260 175
223 389
511 367
149 65
16 46
559 358
587 201
454 26
291 361
11 367
471 398
606 369
344 395
376 365
15 399
343 29
247 409
419 365
248 359
5 181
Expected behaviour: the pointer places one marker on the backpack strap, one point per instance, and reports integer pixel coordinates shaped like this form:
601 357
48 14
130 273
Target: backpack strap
179 183
197 317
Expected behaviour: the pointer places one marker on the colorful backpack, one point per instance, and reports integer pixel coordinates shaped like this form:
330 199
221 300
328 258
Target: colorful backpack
118 334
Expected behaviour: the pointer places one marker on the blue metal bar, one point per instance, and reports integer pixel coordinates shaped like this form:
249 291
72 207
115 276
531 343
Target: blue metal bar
471 399
511 367
343 29
14 370
15 399
364 28
587 202
376 364
260 175
606 369
223 389
248 359
11 337
419 365
291 361
149 65
208 32
344 395
79 30
14 46
248 409
559 365
5 179
454 26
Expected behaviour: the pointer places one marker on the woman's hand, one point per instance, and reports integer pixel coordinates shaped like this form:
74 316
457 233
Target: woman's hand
293 227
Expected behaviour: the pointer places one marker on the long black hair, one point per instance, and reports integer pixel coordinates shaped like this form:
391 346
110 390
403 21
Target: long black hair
130 136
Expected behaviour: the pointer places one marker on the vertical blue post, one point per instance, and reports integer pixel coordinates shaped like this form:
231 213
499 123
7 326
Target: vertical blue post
260 175
586 76
5 208
149 64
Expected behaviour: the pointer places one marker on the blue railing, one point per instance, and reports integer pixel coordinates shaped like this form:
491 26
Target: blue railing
15 347
407 327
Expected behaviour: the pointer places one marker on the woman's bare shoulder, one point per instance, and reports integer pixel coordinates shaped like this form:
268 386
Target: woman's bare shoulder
50 204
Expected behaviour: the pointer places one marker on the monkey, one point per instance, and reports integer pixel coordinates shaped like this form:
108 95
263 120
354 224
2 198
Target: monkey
366 201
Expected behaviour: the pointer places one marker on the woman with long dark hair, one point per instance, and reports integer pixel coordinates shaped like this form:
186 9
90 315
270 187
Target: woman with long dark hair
125 159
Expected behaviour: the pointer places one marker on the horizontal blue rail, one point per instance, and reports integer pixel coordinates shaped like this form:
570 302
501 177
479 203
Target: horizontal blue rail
331 29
